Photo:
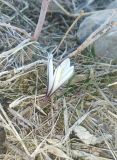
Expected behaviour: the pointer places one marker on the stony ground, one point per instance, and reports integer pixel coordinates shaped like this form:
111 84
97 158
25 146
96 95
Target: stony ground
80 120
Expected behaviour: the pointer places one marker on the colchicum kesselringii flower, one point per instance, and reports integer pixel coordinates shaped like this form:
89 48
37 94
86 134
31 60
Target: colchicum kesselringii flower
61 74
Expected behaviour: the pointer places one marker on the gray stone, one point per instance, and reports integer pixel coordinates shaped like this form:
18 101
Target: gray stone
91 23
112 5
90 5
105 46
100 4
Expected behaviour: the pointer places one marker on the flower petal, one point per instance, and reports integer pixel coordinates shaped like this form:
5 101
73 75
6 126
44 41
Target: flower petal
60 71
50 73
64 79
57 77
65 64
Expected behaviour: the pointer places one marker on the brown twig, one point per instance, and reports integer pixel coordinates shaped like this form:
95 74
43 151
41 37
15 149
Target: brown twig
99 32
44 7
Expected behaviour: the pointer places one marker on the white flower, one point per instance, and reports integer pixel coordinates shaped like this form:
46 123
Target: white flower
62 73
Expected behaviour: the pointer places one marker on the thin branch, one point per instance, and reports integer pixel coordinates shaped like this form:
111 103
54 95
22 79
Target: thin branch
44 8
99 32
69 29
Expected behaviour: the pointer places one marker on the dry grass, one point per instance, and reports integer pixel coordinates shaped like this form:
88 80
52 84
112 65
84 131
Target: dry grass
36 129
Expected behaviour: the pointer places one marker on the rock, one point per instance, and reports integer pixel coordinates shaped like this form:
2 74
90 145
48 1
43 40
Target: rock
112 5
100 4
89 5
90 24
106 46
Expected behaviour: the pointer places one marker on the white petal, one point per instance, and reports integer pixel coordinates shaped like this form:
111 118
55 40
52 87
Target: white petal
67 76
64 79
57 77
66 72
60 71
50 73
65 64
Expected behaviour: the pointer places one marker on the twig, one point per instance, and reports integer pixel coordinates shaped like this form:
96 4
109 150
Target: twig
106 26
112 84
23 98
12 128
14 50
22 69
72 25
18 151
44 7
18 116
105 97
52 113
66 123
77 14
15 28
39 147
109 147
78 122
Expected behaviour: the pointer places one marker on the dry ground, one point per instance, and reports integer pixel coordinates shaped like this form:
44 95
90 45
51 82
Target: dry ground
85 107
